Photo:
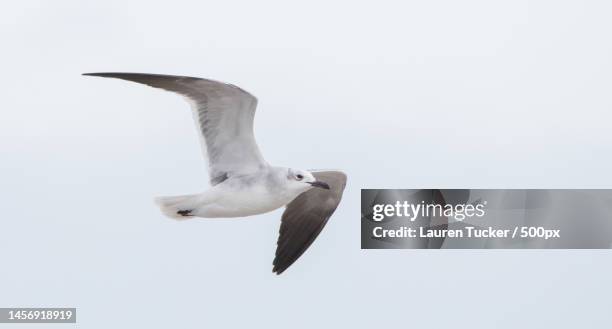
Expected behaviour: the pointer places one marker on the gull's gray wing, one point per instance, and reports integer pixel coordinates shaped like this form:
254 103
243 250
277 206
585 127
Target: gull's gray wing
305 217
224 115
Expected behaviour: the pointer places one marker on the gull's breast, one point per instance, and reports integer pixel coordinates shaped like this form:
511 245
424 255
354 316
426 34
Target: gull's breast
244 202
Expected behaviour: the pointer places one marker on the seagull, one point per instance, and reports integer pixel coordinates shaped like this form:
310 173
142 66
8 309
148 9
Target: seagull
242 183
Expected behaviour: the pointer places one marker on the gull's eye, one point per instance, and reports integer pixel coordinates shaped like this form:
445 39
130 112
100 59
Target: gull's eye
299 177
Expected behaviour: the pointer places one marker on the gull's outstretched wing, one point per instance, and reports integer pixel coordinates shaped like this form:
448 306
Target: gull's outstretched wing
305 217
224 115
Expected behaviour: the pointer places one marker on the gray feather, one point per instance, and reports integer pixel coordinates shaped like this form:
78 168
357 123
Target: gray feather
305 217
224 116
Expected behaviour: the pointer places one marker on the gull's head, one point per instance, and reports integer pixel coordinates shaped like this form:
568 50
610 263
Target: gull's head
304 180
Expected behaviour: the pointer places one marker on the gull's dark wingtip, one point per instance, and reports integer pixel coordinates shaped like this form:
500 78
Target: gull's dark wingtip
277 268
99 74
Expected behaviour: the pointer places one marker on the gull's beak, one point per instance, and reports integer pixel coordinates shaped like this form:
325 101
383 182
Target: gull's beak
320 184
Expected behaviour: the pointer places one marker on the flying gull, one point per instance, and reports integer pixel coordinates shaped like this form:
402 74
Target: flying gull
242 183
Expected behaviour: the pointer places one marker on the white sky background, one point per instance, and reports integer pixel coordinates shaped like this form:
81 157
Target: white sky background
443 94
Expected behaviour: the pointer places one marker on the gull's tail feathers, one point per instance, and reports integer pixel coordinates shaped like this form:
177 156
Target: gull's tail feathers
179 207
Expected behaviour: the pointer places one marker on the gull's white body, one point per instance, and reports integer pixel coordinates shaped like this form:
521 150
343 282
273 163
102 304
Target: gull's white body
240 196
242 182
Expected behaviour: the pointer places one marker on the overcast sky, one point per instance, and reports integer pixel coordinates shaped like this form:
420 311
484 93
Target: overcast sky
442 94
